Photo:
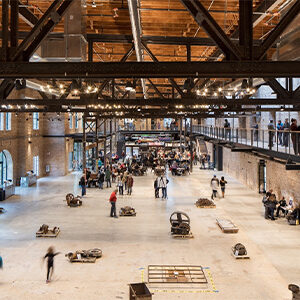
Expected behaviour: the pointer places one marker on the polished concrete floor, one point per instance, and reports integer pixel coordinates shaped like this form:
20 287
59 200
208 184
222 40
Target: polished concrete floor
129 245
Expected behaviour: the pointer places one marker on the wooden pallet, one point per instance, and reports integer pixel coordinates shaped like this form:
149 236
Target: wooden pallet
240 256
50 235
124 215
210 206
227 226
183 236
84 260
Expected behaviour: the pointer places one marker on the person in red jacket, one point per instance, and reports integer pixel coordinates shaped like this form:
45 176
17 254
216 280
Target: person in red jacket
113 200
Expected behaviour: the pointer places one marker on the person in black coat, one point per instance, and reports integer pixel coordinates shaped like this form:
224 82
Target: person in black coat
101 180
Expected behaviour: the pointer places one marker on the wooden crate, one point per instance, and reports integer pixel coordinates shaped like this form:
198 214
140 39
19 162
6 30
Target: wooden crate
183 236
49 234
227 226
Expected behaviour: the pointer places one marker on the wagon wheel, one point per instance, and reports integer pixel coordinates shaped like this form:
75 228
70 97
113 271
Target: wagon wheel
69 197
184 228
179 217
96 252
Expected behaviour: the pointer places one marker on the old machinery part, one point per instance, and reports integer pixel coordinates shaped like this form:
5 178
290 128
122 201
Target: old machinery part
239 249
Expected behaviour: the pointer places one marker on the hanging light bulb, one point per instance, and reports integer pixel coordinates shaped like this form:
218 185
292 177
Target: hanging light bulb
215 94
235 89
220 89
206 90
61 86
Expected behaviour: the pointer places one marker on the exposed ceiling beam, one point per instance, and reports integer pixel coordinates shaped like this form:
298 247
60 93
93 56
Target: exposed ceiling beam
279 29
27 16
161 102
212 28
224 69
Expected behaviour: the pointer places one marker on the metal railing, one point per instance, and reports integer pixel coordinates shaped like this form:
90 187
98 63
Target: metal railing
285 141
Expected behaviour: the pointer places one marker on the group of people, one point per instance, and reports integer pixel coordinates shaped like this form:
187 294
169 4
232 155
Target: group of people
273 208
215 183
118 175
160 183
284 132
205 159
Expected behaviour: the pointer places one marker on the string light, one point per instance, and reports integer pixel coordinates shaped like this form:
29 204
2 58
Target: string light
220 89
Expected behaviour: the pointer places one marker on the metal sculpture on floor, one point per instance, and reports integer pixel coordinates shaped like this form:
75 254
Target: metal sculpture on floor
84 256
127 211
45 231
73 201
180 224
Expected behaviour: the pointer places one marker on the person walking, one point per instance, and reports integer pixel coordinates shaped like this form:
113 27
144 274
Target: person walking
129 184
294 136
223 182
279 132
214 183
163 181
1 262
271 129
227 130
82 183
286 128
107 177
124 180
156 188
113 200
120 184
50 262
101 180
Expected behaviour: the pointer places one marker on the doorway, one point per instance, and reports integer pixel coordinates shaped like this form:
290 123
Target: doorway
262 177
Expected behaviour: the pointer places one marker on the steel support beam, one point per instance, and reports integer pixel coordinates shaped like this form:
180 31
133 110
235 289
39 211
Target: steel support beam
5 13
246 28
160 102
277 88
27 15
14 23
123 59
52 16
279 29
88 70
211 27
171 80
158 92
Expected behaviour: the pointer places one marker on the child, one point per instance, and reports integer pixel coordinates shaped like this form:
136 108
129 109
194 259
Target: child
50 262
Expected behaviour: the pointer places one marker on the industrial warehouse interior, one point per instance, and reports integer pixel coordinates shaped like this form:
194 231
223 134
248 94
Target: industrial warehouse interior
150 149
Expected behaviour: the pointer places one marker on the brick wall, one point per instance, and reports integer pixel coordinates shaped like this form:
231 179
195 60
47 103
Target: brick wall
23 142
244 167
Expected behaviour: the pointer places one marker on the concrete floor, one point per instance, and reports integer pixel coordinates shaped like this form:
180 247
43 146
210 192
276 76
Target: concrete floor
131 244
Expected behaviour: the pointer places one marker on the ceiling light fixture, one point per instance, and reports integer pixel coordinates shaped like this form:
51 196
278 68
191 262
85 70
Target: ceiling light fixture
94 4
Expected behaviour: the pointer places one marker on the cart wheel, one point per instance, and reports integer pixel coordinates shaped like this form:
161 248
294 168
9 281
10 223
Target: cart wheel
96 252
69 197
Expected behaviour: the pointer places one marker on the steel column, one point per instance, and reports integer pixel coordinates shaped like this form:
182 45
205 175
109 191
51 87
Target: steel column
84 143
5 12
246 28
14 23
104 144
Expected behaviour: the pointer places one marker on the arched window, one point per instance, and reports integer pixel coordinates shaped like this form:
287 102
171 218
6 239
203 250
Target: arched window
6 166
